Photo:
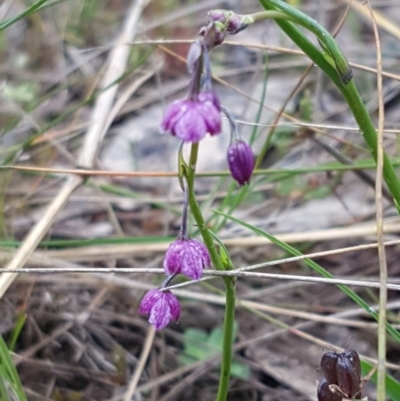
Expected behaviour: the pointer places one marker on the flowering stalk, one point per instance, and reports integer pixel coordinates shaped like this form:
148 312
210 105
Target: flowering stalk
230 282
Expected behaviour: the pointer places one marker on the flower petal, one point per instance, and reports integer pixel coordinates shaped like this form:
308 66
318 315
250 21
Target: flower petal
173 113
174 305
150 298
161 306
211 117
173 258
191 126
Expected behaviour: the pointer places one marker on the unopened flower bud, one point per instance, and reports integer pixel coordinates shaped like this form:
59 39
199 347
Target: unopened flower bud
233 23
218 15
241 161
213 34
238 23
188 257
161 306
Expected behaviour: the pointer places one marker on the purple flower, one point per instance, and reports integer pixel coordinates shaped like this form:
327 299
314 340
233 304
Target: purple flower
161 306
188 257
190 120
241 161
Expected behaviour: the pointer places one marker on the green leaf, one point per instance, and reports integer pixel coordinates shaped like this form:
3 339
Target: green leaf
199 346
392 385
194 341
186 360
240 370
216 339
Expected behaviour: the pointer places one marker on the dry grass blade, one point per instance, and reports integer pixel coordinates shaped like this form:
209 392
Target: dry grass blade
118 60
380 19
381 383
141 364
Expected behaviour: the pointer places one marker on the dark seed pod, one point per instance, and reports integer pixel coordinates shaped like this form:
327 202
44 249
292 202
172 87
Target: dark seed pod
354 361
328 367
325 394
347 375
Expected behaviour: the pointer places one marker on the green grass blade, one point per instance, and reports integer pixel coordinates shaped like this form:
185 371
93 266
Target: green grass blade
9 379
30 10
16 331
319 269
392 385
348 89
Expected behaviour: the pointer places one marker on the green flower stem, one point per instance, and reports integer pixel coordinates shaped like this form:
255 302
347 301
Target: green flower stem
262 15
230 282
335 73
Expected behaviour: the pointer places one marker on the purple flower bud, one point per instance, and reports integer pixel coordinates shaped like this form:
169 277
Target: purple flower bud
241 161
213 34
218 15
234 23
190 120
161 306
188 257
219 37
238 23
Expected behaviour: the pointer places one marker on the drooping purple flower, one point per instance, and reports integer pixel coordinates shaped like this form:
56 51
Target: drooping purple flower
241 161
188 257
190 120
161 306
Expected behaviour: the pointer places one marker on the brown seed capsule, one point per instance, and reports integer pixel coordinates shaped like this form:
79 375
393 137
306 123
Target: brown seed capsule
342 370
325 394
354 360
328 367
348 375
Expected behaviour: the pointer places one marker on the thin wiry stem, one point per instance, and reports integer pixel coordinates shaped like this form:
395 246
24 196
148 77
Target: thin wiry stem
210 274
381 382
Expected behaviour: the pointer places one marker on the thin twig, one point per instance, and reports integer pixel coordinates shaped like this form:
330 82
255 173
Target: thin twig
278 49
208 273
